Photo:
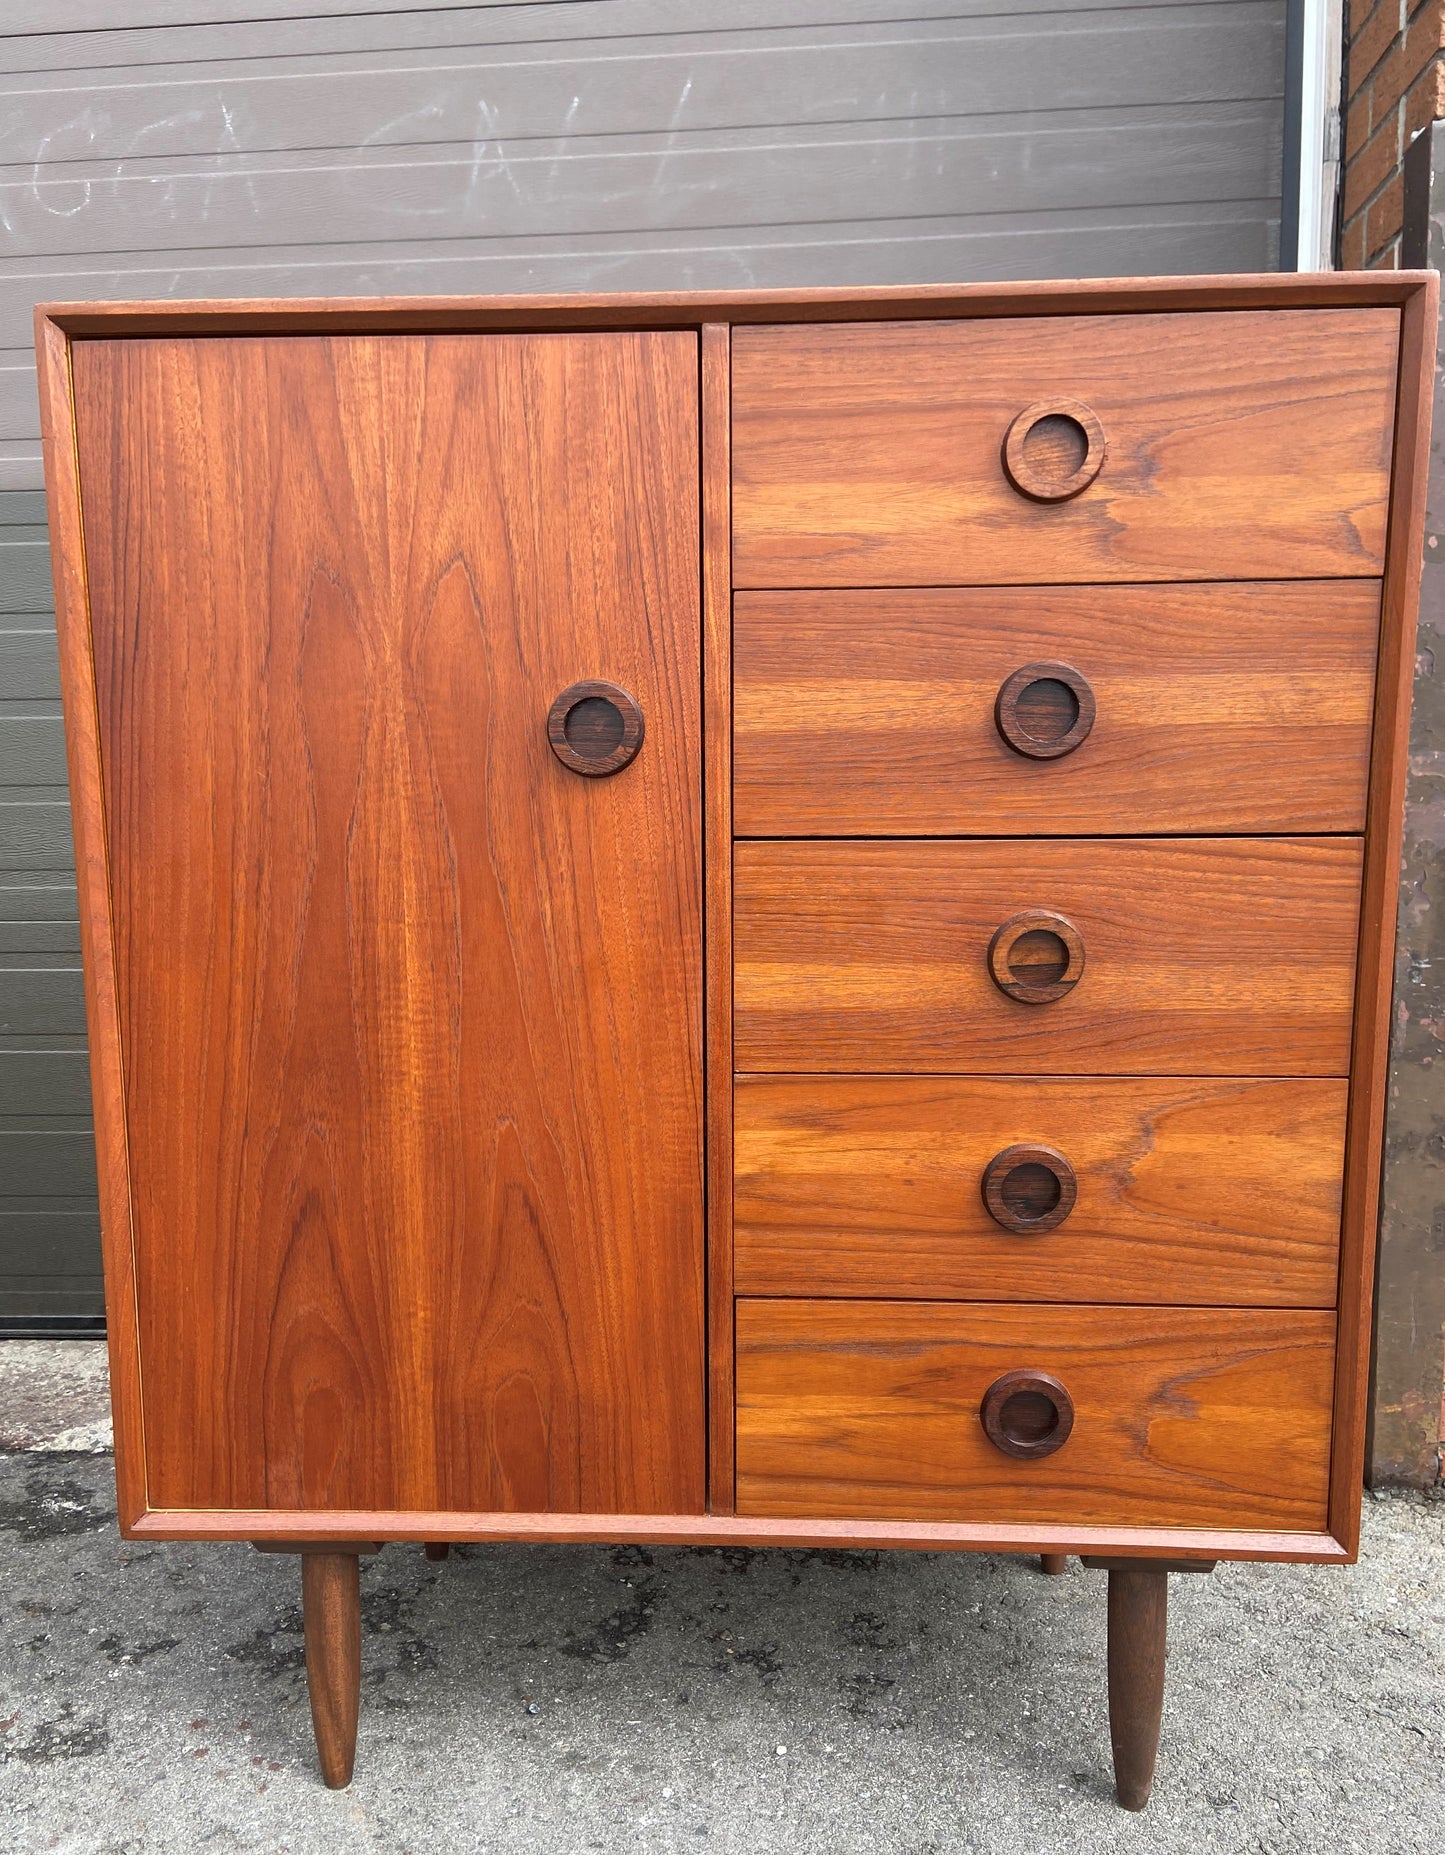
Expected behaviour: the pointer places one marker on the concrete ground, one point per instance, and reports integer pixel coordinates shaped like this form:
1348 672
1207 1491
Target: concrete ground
570 1699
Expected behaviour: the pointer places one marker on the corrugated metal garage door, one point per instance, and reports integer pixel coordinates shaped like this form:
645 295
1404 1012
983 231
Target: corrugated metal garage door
346 146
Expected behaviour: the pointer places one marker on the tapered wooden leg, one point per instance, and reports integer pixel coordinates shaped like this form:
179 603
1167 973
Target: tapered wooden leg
331 1608
1053 1564
437 1549
1138 1627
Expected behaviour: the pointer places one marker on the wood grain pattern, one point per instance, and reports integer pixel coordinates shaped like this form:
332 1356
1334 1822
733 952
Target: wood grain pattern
718 899
413 1031
1240 446
1206 956
1373 1018
871 1408
1192 1191
92 863
1218 708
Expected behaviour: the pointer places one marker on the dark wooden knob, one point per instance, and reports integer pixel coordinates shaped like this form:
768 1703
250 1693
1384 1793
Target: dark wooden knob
1036 956
1054 449
1029 1188
1027 1414
1045 710
595 729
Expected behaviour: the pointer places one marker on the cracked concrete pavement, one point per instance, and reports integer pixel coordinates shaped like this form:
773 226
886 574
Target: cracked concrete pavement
570 1699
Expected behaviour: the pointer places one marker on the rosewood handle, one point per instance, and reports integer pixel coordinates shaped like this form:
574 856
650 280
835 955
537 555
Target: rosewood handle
1029 1189
1036 956
1054 449
1027 1415
1045 710
595 728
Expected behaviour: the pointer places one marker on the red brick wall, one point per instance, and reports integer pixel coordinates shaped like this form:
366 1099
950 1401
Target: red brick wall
1395 84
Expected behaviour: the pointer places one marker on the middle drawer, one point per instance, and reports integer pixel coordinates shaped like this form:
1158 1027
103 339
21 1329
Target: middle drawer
1100 956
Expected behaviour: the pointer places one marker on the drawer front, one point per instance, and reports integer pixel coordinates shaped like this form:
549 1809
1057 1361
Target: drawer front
1236 445
1204 956
1121 1190
1180 1417
1203 708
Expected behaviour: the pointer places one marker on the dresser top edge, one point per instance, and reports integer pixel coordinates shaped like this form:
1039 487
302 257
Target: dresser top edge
692 308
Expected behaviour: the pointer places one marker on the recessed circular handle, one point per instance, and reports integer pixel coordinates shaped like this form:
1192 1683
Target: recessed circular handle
1054 449
595 729
1029 1189
1045 710
1027 1414
1036 956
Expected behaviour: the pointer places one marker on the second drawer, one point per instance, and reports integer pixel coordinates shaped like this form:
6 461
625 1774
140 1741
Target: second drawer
1117 1189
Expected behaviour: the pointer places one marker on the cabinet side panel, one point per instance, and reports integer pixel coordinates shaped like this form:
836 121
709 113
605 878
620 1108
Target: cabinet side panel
413 1011
1384 830
87 806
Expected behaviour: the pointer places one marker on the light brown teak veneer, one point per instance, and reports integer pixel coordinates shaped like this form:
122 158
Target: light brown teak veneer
1220 707
1180 1418
1215 1191
1219 956
394 1148
1246 447
763 918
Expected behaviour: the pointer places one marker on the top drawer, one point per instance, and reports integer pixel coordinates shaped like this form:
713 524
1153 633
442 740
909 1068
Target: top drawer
1237 445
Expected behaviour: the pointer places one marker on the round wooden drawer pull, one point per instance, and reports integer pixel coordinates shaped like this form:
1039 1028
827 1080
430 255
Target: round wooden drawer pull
1029 1188
1027 1414
595 729
1054 449
1045 710
1036 956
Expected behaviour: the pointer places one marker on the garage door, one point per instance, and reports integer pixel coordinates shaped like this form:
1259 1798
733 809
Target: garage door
275 148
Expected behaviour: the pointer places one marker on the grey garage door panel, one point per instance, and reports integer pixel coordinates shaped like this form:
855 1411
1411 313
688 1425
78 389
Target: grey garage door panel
29 666
901 250
53 1245
35 835
727 178
48 1250
41 1165
96 15
39 897
39 1001
21 509
19 412
903 71
24 565
51 1262
295 28
32 753
37 936
44 1082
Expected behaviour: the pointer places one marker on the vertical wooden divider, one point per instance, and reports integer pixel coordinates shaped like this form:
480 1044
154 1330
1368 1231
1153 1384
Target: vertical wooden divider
717 907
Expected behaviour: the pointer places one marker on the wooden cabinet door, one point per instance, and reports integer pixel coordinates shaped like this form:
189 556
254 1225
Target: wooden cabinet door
410 1011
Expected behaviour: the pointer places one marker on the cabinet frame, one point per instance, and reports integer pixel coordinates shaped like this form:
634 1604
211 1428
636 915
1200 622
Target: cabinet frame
1413 294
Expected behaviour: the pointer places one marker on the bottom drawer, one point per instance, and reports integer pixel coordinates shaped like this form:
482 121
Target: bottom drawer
1181 1417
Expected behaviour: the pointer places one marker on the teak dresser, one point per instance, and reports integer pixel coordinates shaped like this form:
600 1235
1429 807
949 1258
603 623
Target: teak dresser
751 919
